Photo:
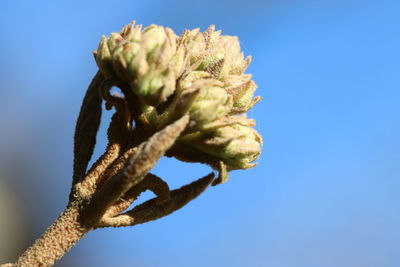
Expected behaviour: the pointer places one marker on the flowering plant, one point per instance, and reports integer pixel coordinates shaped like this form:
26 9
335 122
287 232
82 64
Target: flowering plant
184 97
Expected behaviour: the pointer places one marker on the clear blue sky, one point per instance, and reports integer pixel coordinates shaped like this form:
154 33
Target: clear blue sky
326 192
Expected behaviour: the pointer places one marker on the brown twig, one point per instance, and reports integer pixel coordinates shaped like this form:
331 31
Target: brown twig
84 214
56 241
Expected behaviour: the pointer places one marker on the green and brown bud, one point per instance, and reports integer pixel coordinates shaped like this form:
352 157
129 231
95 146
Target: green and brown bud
148 60
230 140
241 88
220 56
211 103
204 99
217 54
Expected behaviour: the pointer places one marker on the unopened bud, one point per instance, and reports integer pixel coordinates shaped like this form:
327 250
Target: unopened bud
237 145
147 60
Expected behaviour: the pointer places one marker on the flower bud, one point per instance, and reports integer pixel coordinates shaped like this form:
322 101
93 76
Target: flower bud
241 88
220 57
211 103
215 53
204 100
103 58
234 143
147 60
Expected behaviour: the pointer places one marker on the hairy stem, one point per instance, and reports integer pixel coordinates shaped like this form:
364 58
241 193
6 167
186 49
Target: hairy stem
64 233
101 195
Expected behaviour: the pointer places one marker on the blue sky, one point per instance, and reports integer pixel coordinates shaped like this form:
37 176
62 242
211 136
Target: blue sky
327 190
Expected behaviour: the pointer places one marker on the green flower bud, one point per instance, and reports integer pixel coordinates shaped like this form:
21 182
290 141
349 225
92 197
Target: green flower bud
153 36
211 103
218 54
231 140
220 57
156 86
147 60
203 99
103 58
241 88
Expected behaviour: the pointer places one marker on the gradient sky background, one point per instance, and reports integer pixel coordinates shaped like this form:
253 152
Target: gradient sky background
326 192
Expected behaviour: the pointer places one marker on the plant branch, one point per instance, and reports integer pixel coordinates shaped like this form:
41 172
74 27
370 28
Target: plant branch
156 72
56 241
83 214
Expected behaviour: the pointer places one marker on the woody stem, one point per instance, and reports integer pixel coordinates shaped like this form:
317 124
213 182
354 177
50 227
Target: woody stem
58 239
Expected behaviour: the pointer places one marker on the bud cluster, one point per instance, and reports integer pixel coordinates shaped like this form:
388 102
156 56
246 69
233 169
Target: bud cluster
147 60
197 73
